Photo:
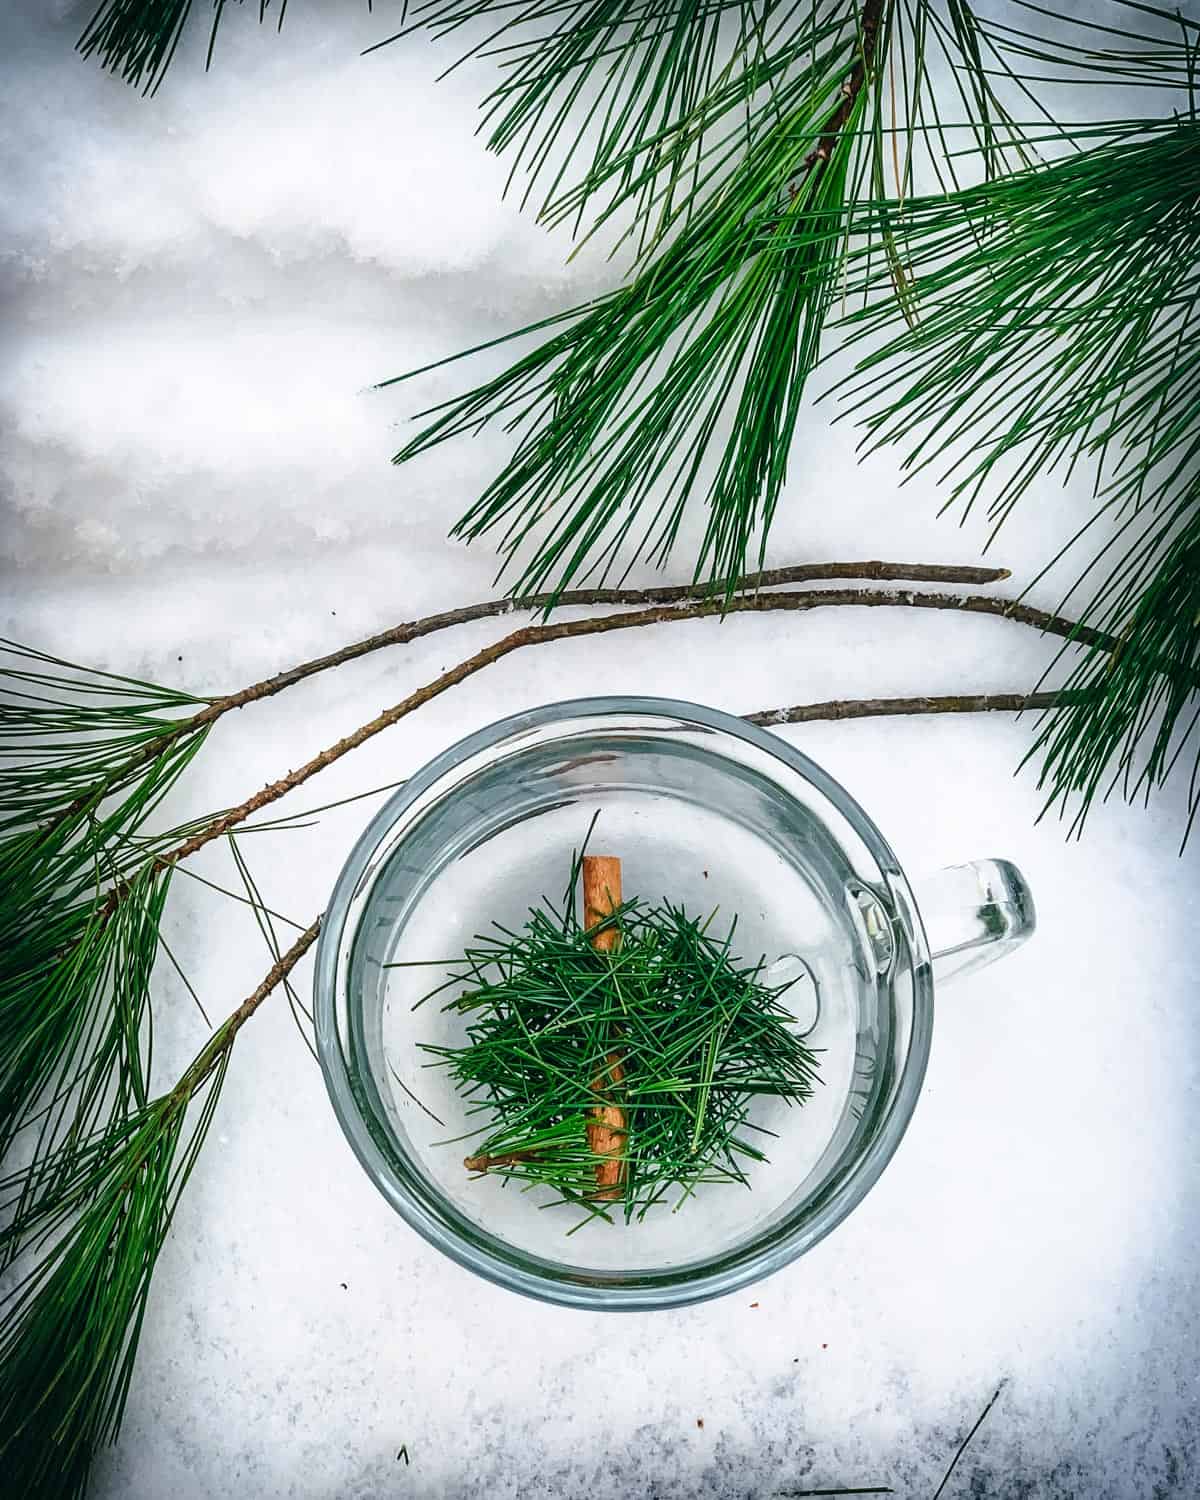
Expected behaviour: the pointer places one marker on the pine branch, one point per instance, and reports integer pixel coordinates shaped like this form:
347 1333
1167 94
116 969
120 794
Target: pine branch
623 406
636 385
538 635
1059 328
822 153
74 1006
137 39
70 1328
74 987
876 708
90 1212
747 167
745 180
76 1030
116 772
68 1337
685 384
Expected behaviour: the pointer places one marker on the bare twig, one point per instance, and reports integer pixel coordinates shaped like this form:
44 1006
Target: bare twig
750 583
538 635
505 1159
688 602
873 571
876 708
223 1038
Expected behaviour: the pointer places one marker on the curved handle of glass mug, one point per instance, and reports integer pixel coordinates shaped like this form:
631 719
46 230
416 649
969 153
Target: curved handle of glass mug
973 914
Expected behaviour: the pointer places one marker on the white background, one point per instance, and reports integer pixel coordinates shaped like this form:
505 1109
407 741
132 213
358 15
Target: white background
200 290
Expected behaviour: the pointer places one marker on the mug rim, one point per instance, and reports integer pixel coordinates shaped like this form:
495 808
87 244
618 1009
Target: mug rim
654 1293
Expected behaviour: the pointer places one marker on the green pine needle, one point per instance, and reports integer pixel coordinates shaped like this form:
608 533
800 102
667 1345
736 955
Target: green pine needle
137 39
710 343
649 104
93 1163
699 1035
75 1031
634 391
684 387
70 1325
624 86
86 758
1059 327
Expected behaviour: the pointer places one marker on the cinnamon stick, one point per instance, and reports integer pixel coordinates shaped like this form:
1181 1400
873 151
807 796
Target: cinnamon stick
606 1127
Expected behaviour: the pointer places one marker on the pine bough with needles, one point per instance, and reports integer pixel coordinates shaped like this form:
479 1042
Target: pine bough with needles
769 164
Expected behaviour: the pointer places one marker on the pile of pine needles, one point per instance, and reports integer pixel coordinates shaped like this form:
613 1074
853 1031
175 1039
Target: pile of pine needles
699 1037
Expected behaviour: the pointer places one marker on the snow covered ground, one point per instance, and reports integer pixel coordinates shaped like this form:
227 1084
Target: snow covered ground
200 291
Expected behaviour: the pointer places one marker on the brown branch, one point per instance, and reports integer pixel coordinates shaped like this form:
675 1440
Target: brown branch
877 708
607 1131
222 1040
538 635
412 630
872 17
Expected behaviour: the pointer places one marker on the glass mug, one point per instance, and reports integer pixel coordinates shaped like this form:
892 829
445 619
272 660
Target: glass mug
708 812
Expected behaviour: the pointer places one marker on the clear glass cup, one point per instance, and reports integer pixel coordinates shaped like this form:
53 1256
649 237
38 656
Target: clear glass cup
709 812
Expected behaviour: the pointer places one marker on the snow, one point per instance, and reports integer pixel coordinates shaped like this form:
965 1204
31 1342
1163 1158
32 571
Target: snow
201 290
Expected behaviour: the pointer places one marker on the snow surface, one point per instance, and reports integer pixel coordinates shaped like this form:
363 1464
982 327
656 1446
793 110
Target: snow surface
200 291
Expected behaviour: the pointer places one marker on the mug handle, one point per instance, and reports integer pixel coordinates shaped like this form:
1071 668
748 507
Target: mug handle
973 914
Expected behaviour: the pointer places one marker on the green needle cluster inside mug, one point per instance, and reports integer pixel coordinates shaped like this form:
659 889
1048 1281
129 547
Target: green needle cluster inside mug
666 1031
